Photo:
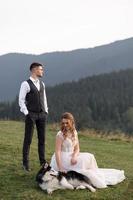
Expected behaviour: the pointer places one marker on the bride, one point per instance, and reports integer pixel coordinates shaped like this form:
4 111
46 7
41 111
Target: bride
67 156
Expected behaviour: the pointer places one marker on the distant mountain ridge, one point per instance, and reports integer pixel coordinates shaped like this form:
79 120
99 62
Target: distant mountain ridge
64 66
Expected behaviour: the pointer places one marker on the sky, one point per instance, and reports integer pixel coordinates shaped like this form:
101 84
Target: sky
41 26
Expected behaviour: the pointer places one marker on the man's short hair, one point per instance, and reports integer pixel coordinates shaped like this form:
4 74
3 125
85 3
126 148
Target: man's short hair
34 65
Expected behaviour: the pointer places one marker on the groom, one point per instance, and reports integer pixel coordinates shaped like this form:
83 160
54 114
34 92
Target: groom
33 103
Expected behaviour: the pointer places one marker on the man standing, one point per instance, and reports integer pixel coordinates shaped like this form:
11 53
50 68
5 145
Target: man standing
33 103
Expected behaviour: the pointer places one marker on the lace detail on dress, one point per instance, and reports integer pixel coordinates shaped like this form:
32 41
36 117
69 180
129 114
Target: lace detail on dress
67 144
60 134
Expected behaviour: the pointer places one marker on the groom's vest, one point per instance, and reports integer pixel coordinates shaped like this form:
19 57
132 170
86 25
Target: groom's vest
35 98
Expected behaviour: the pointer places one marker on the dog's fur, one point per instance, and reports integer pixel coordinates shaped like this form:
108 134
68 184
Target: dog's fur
50 180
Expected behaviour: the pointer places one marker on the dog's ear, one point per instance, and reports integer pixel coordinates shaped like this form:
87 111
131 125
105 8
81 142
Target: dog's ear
46 166
49 168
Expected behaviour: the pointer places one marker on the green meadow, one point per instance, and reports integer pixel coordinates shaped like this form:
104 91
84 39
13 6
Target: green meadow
15 184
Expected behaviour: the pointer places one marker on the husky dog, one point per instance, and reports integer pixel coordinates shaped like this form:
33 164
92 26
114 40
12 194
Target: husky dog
50 180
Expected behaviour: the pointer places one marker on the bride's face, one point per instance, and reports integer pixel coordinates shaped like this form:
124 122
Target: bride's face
65 124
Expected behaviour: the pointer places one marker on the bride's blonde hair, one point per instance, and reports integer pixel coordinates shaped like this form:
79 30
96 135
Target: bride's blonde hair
71 124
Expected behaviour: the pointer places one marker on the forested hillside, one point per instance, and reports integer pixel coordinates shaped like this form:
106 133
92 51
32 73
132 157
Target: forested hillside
101 102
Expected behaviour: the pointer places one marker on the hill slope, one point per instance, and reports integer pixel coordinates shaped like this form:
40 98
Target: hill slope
16 184
64 66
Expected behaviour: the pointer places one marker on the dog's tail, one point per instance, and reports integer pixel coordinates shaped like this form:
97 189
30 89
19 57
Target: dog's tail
86 179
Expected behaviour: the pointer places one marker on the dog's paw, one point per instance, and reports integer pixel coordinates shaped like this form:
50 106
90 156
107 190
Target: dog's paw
93 189
80 187
49 191
71 187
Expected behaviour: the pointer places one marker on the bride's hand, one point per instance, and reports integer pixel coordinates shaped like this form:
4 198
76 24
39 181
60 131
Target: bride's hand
73 160
62 170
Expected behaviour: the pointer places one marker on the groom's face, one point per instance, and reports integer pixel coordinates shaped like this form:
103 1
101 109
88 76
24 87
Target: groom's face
39 71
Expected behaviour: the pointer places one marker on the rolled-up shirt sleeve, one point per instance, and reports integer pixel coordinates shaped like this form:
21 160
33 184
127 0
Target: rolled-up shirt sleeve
24 89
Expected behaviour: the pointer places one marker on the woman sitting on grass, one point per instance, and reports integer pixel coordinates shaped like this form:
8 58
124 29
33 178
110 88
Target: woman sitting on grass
67 156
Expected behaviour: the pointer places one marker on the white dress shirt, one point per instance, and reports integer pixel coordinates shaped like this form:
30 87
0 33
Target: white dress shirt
24 89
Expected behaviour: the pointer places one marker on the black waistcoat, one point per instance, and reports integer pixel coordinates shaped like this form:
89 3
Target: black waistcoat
35 98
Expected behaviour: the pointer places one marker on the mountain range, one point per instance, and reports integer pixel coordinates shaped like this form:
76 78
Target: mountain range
64 66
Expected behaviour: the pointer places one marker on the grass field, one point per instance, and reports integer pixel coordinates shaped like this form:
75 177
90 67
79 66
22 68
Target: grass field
18 185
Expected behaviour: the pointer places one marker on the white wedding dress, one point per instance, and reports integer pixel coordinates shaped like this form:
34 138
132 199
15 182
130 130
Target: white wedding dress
87 165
